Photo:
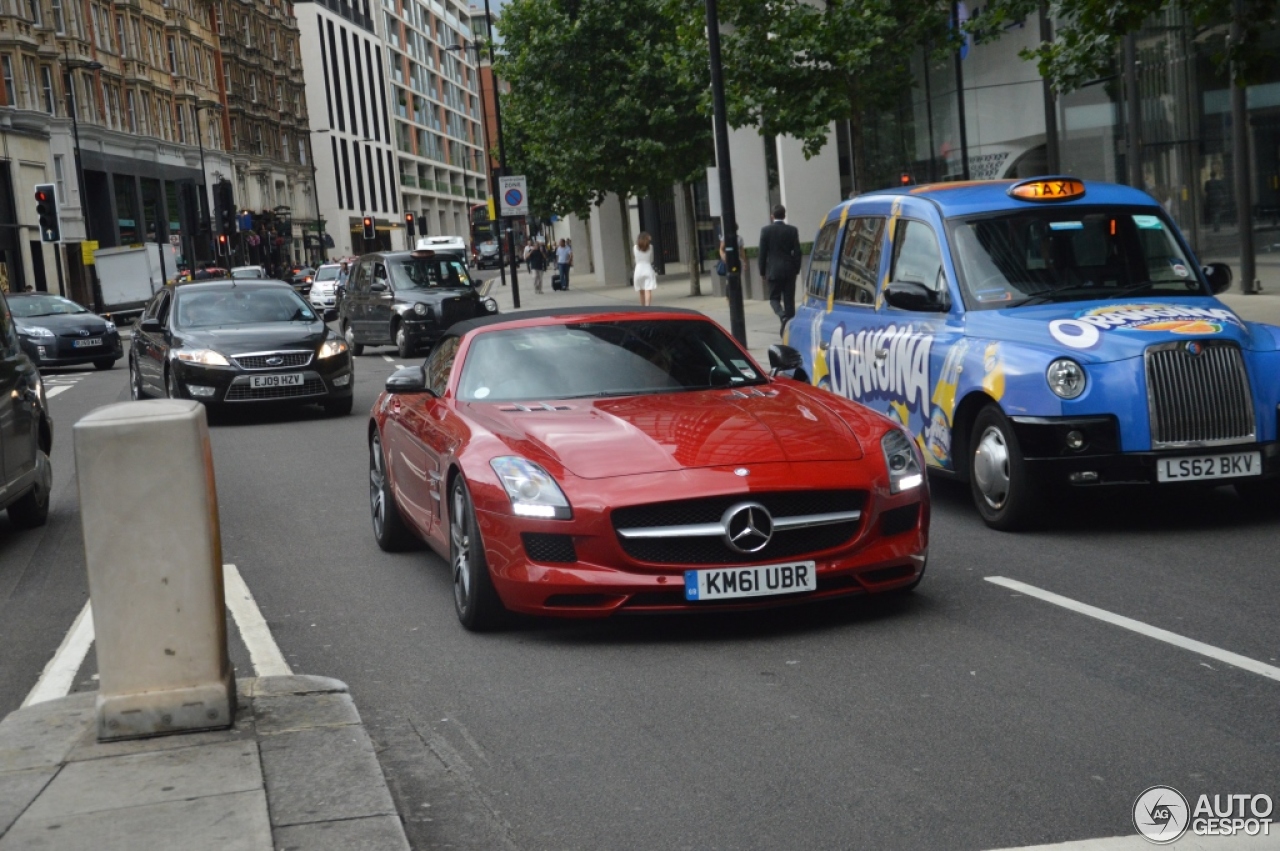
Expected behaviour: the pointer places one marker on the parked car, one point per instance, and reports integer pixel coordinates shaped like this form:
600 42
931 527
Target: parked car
239 342
26 431
488 255
407 299
249 272
302 278
56 331
324 290
1041 334
578 463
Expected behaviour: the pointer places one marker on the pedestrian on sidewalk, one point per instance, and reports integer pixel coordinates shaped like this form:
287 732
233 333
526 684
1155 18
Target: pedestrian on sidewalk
564 259
537 265
644 279
780 264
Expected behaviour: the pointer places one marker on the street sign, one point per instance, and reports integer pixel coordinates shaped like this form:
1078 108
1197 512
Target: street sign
86 251
513 195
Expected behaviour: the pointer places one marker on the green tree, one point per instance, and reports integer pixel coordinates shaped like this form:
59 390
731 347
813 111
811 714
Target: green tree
599 103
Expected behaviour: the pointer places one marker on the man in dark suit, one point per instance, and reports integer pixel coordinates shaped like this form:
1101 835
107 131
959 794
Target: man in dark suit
780 264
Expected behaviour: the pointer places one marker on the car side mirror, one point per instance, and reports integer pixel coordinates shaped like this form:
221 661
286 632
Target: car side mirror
410 379
1219 277
151 325
911 295
783 358
378 287
719 377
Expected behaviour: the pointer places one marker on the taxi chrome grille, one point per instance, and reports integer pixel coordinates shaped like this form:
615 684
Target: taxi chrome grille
1198 398
456 310
258 360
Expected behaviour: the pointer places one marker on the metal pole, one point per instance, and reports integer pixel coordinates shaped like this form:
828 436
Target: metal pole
1133 123
963 124
1053 159
204 190
502 159
928 116
94 290
728 215
1240 162
315 197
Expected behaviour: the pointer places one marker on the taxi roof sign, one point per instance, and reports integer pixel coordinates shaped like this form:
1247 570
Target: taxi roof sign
1048 189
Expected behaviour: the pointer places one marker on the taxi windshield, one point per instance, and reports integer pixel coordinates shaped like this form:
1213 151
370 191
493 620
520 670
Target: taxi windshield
429 272
1062 254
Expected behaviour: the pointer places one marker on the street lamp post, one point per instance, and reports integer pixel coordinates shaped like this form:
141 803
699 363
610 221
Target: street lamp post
205 202
502 158
315 197
484 130
75 137
728 216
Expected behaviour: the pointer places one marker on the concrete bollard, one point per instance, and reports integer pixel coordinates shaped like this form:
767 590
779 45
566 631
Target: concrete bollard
149 510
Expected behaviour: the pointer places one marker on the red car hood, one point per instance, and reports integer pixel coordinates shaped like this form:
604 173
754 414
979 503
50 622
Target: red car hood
602 438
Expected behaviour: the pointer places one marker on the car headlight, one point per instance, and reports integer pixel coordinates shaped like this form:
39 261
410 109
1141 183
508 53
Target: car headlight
332 348
491 305
204 357
901 459
1066 378
420 309
532 491
36 332
111 326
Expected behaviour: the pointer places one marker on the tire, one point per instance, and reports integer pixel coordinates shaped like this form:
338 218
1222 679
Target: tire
403 347
136 391
172 388
33 509
339 407
474 598
389 529
1002 488
350 336
105 363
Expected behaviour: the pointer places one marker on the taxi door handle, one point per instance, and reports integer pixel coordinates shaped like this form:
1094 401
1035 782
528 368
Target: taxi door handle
881 354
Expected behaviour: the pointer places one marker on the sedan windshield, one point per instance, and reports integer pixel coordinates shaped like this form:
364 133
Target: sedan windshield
240 306
587 359
327 273
1069 254
44 305
429 272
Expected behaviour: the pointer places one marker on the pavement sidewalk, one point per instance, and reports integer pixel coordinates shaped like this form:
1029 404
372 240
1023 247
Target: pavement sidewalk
297 771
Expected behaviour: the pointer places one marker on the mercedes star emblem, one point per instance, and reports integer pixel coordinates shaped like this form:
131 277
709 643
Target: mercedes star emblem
748 527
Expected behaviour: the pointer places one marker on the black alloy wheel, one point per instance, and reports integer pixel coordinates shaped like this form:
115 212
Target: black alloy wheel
32 509
105 363
1001 484
474 597
389 529
349 335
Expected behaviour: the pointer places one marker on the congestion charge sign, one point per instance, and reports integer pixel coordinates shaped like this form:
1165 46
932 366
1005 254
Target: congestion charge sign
514 196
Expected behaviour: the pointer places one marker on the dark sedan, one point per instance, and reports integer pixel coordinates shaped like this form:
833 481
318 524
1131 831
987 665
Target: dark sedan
238 342
55 331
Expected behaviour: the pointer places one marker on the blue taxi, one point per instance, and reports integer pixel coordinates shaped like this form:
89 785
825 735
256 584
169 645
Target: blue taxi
1040 334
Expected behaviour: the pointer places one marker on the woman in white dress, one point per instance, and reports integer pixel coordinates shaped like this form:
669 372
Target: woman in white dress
644 278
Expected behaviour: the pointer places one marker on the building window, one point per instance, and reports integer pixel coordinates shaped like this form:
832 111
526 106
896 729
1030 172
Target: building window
253 87
173 56
28 82
46 82
59 24
122 45
131 111
59 177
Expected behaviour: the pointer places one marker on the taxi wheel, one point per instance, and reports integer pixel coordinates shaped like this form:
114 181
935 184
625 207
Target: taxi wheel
403 347
356 348
389 529
474 597
1003 491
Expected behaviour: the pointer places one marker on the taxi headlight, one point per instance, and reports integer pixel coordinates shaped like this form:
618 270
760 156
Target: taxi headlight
491 305
532 491
420 309
901 460
332 348
1066 378
204 357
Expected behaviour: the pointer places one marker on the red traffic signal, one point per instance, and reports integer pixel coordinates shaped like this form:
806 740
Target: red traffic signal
47 213
222 239
905 179
409 225
369 232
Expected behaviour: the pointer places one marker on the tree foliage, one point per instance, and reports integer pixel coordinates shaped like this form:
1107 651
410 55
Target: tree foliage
1087 33
598 103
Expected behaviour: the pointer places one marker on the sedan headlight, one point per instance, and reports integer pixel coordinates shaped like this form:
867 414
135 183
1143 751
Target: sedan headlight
111 326
35 332
491 305
420 309
204 357
901 459
1066 378
332 348
532 491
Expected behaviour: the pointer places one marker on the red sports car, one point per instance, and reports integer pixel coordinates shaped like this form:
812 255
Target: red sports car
579 463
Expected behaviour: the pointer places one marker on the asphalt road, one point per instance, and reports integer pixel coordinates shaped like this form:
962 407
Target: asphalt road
968 716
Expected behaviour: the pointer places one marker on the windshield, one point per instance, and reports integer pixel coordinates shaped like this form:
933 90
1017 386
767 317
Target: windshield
1069 254
423 273
43 305
603 359
240 306
247 273
327 273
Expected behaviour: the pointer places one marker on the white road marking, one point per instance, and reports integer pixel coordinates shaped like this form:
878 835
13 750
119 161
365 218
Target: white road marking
1188 842
387 358
267 659
1244 663
60 674
50 392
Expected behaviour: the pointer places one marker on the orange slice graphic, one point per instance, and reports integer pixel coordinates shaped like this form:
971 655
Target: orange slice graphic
1183 326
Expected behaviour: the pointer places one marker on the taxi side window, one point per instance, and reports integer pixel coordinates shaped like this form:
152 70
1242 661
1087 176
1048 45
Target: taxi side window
380 273
917 258
360 278
860 261
820 261
440 364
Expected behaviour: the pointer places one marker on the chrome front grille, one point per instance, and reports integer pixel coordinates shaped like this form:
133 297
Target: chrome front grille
1198 394
258 360
313 386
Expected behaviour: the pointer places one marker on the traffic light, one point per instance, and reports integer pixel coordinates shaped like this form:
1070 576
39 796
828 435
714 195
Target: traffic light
368 228
47 213
408 225
905 179
223 244
225 204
